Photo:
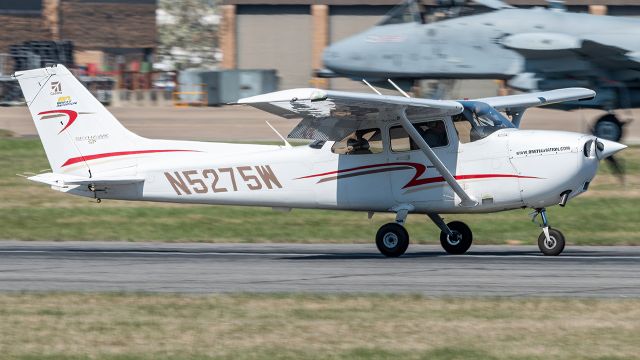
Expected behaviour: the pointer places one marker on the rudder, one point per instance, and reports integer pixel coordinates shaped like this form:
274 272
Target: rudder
73 125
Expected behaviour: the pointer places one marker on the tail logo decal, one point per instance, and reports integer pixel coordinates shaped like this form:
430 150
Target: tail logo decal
65 101
56 88
51 114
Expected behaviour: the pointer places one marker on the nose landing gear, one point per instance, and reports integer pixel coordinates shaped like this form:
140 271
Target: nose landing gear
551 241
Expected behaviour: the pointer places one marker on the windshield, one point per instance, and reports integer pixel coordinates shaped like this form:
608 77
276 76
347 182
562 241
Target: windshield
483 119
412 11
407 12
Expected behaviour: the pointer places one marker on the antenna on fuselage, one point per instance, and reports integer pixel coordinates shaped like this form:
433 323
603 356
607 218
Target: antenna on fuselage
286 143
398 88
371 87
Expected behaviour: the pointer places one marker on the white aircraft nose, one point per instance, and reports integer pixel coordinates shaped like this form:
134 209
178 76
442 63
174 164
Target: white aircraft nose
607 148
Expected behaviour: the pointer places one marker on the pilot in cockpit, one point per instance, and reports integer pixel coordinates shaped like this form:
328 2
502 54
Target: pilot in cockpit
434 133
359 145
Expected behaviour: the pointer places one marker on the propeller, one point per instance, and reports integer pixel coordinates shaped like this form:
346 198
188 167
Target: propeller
610 130
603 149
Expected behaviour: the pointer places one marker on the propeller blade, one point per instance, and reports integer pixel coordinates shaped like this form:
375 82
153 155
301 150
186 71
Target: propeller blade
616 168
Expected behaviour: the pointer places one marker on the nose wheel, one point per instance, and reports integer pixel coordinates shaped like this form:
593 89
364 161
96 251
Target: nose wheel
551 241
553 244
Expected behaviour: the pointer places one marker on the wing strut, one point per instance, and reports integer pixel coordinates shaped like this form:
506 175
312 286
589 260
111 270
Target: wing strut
467 201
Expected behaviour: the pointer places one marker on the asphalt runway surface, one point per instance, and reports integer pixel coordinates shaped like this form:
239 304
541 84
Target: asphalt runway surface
514 271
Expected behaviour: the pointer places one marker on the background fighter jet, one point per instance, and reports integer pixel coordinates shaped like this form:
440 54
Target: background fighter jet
531 49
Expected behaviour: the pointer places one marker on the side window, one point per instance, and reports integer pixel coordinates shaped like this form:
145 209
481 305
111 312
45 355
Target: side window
400 140
463 128
433 132
360 142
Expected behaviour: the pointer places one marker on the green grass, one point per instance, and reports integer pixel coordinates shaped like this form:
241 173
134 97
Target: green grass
608 214
299 326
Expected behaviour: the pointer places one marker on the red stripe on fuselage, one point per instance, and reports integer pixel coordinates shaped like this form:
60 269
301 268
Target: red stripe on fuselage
420 170
118 153
437 179
413 165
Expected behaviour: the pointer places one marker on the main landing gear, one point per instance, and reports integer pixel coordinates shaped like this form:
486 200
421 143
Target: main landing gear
392 239
551 241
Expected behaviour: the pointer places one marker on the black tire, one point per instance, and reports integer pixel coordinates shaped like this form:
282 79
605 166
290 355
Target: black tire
462 242
392 240
555 247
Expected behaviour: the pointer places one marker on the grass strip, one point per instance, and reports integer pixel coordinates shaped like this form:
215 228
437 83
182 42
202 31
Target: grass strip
285 326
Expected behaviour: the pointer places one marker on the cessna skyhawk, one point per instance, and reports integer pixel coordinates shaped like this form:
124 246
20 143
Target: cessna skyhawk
370 153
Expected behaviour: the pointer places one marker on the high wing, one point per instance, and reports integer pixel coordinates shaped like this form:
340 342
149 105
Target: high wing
332 115
523 101
516 105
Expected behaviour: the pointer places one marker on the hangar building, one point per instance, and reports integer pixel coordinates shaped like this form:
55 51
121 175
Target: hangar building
103 31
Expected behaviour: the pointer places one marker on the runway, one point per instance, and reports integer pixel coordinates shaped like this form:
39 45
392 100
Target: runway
513 271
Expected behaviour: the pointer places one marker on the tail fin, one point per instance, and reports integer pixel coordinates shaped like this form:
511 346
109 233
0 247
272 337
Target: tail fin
73 125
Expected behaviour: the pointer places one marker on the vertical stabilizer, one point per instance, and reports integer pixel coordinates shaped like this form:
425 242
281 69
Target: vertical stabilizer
73 125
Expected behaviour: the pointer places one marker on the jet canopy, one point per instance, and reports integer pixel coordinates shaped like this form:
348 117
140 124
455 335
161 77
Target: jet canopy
407 12
412 11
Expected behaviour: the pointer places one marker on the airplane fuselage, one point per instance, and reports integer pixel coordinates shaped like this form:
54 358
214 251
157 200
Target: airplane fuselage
507 170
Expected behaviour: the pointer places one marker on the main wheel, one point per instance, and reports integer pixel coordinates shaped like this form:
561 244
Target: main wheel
392 240
554 246
461 240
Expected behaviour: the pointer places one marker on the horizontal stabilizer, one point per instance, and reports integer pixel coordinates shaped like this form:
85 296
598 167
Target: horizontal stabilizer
62 180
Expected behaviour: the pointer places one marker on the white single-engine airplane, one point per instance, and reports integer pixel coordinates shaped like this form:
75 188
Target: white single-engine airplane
371 153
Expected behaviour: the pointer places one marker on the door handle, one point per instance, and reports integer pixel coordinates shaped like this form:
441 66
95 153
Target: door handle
403 157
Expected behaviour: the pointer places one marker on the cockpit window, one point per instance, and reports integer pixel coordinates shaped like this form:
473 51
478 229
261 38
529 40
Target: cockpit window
360 142
413 11
433 132
453 9
478 120
407 12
